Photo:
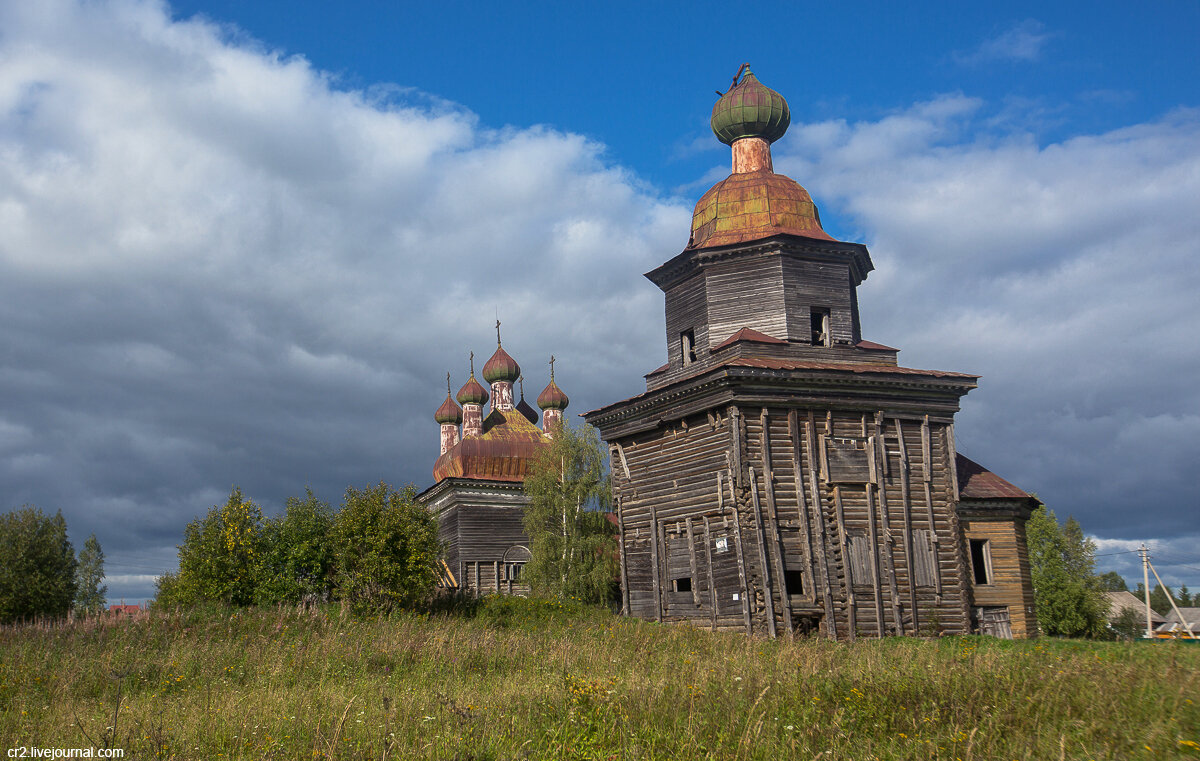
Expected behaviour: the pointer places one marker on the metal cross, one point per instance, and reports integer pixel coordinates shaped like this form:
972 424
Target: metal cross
497 331
472 364
521 380
447 384
551 367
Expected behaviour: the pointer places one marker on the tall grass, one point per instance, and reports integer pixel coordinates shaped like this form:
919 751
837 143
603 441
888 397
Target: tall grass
537 679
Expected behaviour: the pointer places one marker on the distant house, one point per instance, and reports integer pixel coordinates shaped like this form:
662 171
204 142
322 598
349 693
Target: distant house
1119 601
1172 625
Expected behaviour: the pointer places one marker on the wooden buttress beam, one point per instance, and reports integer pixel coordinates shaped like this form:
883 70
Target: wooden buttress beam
889 556
654 564
927 482
906 500
776 538
819 512
692 563
801 502
737 543
624 560
873 533
852 609
712 587
768 598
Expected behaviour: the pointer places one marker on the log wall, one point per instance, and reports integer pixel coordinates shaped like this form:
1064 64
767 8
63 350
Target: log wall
781 520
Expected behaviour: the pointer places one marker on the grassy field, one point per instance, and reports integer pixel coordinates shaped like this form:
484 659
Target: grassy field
533 679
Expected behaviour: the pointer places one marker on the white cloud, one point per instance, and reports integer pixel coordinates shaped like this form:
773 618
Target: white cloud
1021 42
1064 274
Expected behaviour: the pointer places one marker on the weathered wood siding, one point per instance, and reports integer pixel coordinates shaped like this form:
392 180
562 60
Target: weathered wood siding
845 533
687 309
1011 583
821 284
746 294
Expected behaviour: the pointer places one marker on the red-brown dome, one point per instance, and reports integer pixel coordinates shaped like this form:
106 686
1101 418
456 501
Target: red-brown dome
472 392
505 452
501 367
750 206
449 412
552 397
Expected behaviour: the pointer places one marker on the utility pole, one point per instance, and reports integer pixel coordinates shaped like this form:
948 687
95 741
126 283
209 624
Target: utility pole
1145 555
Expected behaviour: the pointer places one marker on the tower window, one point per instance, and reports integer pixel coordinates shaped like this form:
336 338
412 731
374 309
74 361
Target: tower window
981 561
819 320
687 346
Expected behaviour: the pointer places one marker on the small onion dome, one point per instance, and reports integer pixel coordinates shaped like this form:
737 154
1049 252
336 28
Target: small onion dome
752 206
750 109
472 392
501 367
449 412
553 398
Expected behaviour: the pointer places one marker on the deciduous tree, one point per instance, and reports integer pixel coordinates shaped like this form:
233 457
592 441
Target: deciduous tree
89 594
1113 582
296 559
571 541
219 556
386 548
37 565
1069 597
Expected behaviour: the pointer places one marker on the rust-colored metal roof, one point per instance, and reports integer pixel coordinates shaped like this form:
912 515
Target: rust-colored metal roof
748 334
505 451
872 346
791 364
977 482
658 370
750 206
529 412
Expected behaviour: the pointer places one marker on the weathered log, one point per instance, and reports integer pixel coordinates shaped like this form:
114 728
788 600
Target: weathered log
772 516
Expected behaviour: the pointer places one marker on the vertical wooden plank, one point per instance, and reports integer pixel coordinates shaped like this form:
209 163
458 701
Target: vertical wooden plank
497 569
692 564
952 460
654 564
478 590
873 534
801 506
735 431
906 501
768 597
819 512
712 587
773 517
927 478
623 558
744 595
889 557
852 610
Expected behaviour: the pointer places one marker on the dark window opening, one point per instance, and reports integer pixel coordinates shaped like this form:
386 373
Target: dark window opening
819 322
683 585
793 581
511 571
687 346
980 561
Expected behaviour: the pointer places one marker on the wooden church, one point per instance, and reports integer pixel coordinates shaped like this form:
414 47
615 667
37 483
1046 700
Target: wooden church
477 493
781 474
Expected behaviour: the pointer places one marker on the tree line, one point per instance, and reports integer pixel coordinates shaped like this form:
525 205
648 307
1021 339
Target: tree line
40 573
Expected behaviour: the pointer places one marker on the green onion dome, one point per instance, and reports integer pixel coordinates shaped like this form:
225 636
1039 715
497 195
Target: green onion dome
449 412
501 367
552 398
750 109
472 392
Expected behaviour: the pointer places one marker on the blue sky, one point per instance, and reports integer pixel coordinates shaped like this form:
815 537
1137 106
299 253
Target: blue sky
245 241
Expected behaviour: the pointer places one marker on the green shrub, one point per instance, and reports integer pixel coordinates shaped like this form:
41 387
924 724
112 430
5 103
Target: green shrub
37 565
